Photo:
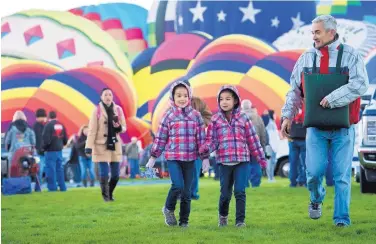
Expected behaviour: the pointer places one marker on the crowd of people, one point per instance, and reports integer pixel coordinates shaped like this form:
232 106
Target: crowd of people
235 141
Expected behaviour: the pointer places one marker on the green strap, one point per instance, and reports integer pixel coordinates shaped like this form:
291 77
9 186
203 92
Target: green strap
338 65
339 59
314 64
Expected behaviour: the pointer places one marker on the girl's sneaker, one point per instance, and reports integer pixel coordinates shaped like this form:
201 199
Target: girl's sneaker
222 221
183 225
315 210
240 224
170 219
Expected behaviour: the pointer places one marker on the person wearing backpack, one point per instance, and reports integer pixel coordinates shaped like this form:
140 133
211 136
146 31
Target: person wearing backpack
19 135
103 141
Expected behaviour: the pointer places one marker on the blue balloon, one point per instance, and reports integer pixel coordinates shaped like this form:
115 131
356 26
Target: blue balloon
265 20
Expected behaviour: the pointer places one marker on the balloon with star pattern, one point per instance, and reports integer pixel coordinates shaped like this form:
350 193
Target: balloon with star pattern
263 20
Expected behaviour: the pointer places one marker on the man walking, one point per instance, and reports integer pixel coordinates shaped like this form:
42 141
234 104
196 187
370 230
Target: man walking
333 59
54 139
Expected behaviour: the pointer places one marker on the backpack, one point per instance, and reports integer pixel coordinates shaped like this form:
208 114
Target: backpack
21 139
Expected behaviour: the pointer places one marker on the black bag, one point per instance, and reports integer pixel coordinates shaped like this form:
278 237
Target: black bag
298 131
316 87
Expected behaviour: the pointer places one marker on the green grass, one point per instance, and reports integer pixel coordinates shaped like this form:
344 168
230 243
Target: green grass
275 214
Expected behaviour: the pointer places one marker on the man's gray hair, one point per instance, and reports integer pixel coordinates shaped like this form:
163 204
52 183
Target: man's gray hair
330 23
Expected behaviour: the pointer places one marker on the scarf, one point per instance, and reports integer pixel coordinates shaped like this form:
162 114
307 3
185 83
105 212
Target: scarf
111 132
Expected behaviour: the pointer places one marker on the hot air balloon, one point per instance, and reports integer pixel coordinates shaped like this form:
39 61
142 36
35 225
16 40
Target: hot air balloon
60 38
29 85
20 80
225 60
141 70
353 10
126 23
168 62
161 22
261 19
76 93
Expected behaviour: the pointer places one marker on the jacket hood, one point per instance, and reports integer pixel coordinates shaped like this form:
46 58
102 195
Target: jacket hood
21 125
173 85
235 91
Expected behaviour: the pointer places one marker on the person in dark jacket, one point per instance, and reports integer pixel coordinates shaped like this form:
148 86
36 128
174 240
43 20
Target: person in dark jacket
297 152
199 105
85 161
73 159
54 138
41 119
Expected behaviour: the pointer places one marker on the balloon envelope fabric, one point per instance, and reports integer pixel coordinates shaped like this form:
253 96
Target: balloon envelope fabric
20 80
161 22
261 19
354 9
61 38
29 85
260 72
77 92
168 61
126 23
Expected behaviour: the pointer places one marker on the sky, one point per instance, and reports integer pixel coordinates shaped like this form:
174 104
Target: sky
8 7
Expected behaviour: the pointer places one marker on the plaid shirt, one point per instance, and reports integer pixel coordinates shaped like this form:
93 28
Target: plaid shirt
180 134
233 141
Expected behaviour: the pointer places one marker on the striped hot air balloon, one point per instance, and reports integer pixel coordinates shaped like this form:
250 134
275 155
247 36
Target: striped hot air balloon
125 22
76 93
73 94
20 80
225 60
161 22
168 62
141 70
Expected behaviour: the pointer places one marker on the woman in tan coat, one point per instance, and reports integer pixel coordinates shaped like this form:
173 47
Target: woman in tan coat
104 143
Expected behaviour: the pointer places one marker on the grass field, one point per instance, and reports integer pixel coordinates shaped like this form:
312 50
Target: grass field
275 214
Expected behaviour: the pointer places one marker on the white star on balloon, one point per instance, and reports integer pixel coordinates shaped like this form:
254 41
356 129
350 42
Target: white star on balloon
221 16
275 22
198 12
297 23
249 13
